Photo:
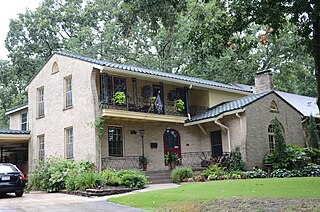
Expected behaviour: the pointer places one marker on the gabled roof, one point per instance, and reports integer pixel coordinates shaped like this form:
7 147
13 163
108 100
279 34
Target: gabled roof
14 132
17 108
153 72
305 104
228 106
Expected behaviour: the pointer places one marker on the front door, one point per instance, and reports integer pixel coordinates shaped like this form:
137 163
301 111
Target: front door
216 143
171 141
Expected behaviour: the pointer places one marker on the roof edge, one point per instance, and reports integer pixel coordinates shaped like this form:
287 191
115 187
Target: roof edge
17 108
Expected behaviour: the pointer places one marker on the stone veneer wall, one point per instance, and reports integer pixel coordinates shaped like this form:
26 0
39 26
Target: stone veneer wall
259 117
15 119
57 118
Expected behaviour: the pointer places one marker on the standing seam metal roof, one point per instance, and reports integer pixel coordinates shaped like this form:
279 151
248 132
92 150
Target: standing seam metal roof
14 132
152 72
228 106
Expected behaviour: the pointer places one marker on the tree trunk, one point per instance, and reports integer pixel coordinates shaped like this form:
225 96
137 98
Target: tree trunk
316 50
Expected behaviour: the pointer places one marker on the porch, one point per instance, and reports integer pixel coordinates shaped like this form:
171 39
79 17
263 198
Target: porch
194 160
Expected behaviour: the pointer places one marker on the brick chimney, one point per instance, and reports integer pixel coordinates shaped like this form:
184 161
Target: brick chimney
263 81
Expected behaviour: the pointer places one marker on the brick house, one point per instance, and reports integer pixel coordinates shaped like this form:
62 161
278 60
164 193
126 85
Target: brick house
69 92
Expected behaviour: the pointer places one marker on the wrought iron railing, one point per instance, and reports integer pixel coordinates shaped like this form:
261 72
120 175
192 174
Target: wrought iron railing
202 159
146 106
127 162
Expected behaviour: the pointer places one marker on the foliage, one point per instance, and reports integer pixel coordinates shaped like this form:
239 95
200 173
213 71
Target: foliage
172 159
313 140
257 173
109 177
280 173
180 105
132 178
280 145
313 153
181 173
144 160
312 170
119 97
235 162
213 171
53 175
196 193
99 124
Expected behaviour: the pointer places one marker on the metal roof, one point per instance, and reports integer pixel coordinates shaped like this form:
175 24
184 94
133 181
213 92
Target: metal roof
14 132
153 72
228 106
17 108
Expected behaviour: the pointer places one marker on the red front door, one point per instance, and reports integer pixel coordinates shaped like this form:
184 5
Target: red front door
171 142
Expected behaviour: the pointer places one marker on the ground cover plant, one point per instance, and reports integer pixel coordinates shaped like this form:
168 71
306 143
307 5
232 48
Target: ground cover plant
201 196
54 175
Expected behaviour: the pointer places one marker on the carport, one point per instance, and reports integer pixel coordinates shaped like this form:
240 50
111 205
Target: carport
14 148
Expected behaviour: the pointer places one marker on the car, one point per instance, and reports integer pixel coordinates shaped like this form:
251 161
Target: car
12 180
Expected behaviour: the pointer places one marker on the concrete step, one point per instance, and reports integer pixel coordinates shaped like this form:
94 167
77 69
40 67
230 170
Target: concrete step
157 177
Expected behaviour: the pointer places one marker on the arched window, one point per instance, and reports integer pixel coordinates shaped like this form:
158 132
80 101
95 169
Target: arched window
55 68
273 106
271 136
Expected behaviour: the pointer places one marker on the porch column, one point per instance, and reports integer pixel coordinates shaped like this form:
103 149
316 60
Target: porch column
186 92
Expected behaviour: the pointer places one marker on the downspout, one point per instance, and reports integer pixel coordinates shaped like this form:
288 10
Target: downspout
228 132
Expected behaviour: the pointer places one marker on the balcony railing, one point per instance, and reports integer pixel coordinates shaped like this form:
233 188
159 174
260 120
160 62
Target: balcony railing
127 162
146 106
202 159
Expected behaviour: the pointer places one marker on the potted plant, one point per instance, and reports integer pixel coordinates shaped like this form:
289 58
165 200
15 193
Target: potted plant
119 98
171 159
180 105
143 162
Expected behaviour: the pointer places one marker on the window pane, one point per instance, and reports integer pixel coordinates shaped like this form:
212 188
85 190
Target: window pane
115 141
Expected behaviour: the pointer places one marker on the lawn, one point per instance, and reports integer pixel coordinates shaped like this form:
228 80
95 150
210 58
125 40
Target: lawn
189 196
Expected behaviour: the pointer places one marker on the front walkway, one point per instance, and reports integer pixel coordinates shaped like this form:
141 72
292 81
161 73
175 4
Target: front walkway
42 201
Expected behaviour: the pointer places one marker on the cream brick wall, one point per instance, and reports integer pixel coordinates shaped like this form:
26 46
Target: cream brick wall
15 119
56 117
258 119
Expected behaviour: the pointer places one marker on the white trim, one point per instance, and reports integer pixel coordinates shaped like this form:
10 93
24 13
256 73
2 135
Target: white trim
17 109
215 118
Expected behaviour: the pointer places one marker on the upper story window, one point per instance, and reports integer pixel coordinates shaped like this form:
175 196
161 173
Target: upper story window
40 102
273 106
69 142
41 146
55 68
68 92
24 121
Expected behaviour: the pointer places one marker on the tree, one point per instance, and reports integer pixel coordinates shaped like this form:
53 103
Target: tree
275 13
280 145
313 133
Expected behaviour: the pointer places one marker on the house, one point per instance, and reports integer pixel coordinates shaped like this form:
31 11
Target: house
81 108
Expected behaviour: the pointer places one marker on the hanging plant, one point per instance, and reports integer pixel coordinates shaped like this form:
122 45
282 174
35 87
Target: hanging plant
180 105
119 97
146 91
172 95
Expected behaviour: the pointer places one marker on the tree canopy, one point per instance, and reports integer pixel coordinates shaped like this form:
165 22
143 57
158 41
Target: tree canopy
221 40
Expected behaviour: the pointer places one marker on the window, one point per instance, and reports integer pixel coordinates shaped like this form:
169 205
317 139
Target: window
69 142
41 146
115 140
273 106
68 92
24 121
271 137
40 99
216 143
55 68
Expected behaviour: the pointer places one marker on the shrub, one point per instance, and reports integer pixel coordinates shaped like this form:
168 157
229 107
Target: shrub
235 162
132 178
109 177
258 173
312 170
86 179
313 153
179 174
280 173
313 133
236 175
213 171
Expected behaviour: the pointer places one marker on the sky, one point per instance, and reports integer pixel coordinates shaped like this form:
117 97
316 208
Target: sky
8 10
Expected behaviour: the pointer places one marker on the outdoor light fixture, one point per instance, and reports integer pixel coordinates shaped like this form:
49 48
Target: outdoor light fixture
142 131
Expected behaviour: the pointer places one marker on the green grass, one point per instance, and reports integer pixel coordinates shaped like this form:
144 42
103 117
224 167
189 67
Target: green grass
195 193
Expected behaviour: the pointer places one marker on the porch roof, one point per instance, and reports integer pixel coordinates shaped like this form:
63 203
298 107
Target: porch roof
154 72
13 136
